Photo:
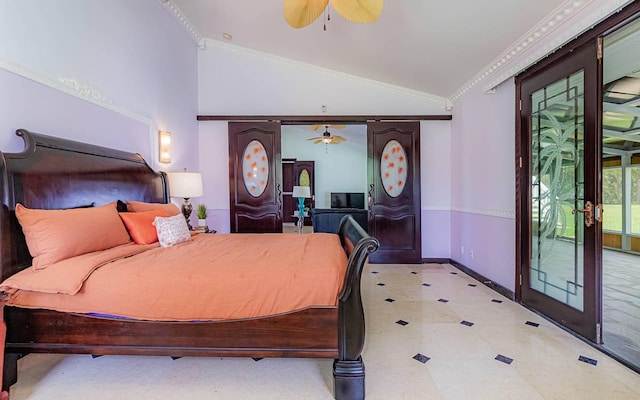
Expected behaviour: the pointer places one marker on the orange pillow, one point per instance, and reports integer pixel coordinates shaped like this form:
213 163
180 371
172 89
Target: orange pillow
138 206
140 225
55 235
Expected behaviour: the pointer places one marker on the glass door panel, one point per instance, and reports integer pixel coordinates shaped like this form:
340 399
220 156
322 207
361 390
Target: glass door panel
557 192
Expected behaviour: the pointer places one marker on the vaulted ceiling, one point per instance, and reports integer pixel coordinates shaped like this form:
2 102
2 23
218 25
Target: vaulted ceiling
432 46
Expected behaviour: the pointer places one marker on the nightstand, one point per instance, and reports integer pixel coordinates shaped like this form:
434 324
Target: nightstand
300 223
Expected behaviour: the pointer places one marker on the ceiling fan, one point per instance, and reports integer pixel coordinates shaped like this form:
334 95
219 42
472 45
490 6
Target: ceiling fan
327 137
300 13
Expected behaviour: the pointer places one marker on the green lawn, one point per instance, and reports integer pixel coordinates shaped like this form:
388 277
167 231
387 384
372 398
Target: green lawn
611 221
612 217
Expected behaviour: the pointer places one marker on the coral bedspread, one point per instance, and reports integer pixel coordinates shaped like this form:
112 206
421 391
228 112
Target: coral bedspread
211 277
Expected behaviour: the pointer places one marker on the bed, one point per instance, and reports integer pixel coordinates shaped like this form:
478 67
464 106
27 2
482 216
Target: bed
54 173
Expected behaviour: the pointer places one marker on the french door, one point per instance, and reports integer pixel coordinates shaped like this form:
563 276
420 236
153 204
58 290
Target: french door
558 197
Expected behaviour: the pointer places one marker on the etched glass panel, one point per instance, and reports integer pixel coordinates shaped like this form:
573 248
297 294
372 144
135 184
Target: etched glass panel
393 168
304 178
557 190
255 168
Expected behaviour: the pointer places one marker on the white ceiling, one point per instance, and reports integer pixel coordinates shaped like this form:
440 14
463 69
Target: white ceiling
432 46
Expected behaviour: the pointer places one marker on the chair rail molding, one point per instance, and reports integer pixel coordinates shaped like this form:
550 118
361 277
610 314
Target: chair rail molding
84 89
486 212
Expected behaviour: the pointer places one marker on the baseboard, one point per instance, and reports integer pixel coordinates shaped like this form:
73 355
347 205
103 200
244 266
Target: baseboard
484 280
436 261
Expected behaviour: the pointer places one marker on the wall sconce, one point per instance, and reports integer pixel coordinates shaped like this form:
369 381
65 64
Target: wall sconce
164 146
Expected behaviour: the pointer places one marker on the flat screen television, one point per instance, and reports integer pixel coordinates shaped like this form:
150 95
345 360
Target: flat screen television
347 200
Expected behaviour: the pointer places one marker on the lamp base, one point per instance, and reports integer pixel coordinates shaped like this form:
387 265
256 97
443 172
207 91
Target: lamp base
186 211
300 205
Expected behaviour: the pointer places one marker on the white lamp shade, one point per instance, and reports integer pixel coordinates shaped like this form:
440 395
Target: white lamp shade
301 191
185 184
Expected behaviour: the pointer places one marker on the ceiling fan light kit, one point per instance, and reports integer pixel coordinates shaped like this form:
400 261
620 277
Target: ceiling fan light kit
300 13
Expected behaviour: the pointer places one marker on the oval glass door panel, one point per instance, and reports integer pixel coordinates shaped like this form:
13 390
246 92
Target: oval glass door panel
255 168
393 168
304 178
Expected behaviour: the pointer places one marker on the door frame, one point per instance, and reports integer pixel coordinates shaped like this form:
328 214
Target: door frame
522 175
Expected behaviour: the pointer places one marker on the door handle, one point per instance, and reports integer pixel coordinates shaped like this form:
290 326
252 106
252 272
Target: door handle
588 213
279 201
370 201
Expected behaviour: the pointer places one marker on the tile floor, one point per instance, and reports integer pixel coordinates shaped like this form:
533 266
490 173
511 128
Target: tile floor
621 304
432 333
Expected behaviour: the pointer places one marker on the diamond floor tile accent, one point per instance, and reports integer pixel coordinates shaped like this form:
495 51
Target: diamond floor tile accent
588 360
504 359
421 357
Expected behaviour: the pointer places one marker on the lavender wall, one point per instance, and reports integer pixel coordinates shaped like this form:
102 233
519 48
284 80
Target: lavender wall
106 72
483 183
39 108
483 145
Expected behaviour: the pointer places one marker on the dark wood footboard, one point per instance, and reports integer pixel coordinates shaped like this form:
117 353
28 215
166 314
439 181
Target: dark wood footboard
56 173
348 368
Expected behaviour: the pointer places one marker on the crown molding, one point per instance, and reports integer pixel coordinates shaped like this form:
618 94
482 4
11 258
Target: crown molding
326 71
559 22
182 19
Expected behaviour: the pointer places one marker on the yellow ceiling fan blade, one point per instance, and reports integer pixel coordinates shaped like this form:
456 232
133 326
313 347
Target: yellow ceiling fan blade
316 127
337 139
359 11
300 13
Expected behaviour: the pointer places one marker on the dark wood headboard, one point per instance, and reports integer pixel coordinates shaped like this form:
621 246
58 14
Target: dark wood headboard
54 173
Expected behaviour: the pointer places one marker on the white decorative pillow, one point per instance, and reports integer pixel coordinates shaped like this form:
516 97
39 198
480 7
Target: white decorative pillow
172 230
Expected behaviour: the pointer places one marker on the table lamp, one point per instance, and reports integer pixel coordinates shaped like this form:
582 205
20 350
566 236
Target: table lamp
186 185
301 192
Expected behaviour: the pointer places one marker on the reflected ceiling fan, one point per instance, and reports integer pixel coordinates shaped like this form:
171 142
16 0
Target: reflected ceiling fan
327 137
300 13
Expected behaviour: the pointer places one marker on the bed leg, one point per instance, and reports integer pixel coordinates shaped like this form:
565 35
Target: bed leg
8 362
348 379
9 373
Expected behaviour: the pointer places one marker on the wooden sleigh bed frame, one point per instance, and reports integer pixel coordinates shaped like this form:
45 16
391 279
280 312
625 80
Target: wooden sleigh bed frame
54 173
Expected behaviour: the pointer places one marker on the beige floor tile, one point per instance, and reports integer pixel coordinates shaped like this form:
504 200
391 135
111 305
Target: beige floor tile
459 361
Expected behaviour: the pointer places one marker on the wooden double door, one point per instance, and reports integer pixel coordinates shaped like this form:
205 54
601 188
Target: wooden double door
393 198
